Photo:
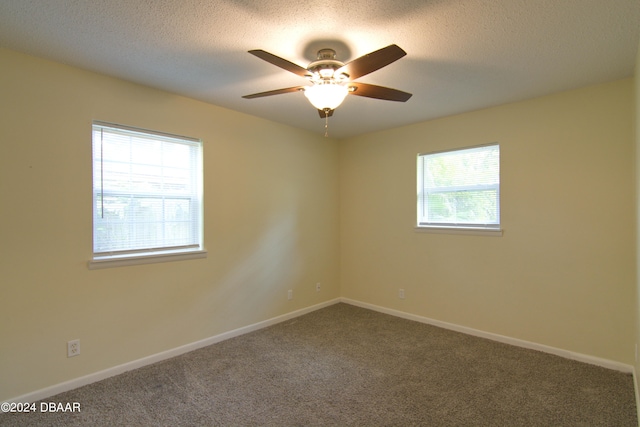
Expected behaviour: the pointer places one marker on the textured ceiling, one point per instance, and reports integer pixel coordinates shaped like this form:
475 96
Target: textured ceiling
462 55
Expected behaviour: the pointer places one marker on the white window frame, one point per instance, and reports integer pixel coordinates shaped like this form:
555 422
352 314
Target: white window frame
423 189
132 255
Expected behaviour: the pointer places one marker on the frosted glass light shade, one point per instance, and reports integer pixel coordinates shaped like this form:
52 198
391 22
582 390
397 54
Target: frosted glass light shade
326 95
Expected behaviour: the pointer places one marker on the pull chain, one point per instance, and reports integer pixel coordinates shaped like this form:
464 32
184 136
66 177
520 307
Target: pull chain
326 122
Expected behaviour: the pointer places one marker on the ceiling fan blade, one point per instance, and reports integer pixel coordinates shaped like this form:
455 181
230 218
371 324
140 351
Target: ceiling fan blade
378 92
324 115
274 92
371 62
280 62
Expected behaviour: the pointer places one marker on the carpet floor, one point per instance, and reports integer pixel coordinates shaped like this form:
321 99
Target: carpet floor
348 366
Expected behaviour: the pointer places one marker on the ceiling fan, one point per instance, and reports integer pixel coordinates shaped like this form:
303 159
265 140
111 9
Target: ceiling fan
332 80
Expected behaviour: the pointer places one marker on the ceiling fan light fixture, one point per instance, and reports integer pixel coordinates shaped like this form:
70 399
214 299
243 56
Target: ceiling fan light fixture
325 96
332 80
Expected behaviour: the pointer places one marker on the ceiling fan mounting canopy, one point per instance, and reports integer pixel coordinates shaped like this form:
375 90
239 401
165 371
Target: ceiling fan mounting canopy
333 80
326 54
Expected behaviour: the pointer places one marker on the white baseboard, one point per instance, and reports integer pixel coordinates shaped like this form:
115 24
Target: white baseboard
110 372
605 363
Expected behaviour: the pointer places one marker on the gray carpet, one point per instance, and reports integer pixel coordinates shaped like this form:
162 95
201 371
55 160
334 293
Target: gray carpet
348 366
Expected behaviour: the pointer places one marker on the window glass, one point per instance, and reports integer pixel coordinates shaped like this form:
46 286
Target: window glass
147 192
460 188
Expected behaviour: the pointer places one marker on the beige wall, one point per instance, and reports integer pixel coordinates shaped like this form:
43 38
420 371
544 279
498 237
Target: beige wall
270 225
563 273
285 209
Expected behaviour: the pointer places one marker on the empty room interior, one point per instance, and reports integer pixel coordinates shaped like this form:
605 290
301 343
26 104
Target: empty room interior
302 208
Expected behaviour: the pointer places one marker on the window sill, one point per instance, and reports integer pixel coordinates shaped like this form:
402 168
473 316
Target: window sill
471 231
124 261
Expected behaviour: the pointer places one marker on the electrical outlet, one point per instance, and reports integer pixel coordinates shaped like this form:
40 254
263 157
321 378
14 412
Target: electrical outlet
73 348
401 293
318 287
290 294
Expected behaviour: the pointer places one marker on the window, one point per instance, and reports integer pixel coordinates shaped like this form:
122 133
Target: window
460 188
147 193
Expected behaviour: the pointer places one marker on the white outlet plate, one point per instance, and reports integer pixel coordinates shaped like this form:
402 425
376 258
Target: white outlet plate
73 348
401 293
290 294
318 287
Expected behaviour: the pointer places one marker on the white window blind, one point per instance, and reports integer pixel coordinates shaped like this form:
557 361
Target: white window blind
460 188
147 192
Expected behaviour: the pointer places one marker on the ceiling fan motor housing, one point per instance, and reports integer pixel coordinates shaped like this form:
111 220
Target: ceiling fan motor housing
326 65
